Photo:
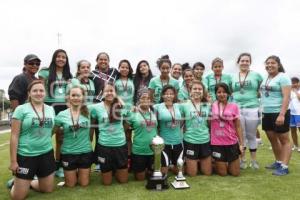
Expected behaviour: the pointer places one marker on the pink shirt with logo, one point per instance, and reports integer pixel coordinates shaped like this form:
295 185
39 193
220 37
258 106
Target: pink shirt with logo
224 132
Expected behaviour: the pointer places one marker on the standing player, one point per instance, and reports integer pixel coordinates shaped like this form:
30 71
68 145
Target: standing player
276 91
143 75
217 76
56 77
157 83
295 112
245 87
82 79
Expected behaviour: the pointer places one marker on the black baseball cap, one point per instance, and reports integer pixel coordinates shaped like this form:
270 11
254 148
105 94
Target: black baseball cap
31 57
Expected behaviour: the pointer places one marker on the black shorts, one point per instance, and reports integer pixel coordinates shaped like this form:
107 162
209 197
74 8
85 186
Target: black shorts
171 154
78 161
196 151
140 163
269 119
41 165
112 158
225 153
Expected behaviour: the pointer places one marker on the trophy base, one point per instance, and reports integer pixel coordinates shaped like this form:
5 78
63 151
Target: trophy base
157 183
180 184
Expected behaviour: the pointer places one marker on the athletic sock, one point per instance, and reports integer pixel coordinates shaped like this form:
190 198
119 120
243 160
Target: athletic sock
284 166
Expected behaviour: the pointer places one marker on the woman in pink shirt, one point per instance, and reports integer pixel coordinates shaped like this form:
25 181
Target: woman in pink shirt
226 133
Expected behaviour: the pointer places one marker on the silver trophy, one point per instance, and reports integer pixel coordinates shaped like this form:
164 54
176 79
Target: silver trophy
180 180
157 181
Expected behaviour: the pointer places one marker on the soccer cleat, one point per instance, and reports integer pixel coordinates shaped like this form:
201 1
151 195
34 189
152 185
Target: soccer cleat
254 164
274 165
243 164
280 171
60 173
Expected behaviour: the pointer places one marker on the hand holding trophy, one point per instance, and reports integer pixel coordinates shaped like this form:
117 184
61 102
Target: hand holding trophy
157 181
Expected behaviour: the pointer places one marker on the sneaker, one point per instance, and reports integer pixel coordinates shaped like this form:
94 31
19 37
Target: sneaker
294 148
97 168
254 164
281 171
298 150
10 183
60 173
274 165
243 164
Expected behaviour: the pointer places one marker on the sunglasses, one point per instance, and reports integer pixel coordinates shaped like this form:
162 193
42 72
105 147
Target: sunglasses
34 63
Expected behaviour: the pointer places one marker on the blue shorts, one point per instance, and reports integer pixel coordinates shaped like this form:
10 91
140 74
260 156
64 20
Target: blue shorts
295 121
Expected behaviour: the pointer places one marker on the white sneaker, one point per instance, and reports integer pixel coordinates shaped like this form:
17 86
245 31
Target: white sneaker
298 150
243 164
254 164
295 148
259 141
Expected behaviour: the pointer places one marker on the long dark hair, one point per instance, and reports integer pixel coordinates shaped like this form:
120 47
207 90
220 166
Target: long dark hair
130 74
66 75
138 77
277 59
115 107
225 87
168 87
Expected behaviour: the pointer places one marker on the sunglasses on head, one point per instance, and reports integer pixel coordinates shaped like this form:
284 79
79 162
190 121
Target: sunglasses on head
34 63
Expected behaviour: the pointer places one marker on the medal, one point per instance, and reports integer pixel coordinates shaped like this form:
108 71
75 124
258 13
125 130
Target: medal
242 91
173 125
221 124
266 94
242 83
60 90
75 126
199 119
149 122
111 128
41 121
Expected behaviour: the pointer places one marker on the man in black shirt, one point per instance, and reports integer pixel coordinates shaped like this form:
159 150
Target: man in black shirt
17 90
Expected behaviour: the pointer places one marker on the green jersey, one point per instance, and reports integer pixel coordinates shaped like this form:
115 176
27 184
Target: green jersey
245 89
156 85
183 93
272 97
196 125
210 83
145 129
57 90
89 88
75 140
169 124
125 90
111 134
33 139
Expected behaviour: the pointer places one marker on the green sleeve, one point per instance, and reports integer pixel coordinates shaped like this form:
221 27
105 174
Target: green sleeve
18 113
152 84
44 73
285 81
58 121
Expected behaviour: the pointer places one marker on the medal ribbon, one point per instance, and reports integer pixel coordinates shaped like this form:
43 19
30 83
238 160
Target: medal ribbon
41 121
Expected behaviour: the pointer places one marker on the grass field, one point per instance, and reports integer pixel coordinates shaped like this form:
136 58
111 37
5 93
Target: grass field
250 185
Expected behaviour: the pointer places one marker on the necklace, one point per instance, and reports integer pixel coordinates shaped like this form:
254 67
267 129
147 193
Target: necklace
221 115
147 122
75 126
242 83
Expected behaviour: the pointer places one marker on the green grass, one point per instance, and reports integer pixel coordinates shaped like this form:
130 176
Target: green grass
250 185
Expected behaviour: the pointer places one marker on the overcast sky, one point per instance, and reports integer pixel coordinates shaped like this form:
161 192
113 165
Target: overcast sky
188 31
